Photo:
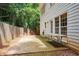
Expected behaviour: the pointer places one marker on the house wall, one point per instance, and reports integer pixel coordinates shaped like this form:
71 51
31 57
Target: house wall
57 9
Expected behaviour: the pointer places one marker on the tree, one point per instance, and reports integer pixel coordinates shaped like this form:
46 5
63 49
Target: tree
25 15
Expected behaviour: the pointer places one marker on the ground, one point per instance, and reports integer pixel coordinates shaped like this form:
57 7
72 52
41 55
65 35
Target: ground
34 45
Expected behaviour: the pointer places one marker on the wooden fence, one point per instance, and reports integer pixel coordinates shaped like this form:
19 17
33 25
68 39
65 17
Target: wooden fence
8 33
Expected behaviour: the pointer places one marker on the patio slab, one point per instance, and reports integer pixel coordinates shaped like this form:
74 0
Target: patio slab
25 44
34 45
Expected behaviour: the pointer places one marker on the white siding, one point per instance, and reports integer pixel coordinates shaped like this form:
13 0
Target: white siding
72 17
73 22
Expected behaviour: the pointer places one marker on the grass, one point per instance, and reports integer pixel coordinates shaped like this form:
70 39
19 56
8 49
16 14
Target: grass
52 45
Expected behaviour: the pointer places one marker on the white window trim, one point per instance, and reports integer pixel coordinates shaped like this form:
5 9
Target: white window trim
59 25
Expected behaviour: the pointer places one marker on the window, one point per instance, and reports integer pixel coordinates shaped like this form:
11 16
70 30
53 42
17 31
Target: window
64 24
51 22
45 24
51 4
57 25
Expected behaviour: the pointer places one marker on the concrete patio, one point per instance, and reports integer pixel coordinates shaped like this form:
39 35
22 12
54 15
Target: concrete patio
32 44
25 44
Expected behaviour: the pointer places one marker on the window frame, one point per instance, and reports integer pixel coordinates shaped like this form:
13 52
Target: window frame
51 26
63 24
51 4
60 24
57 25
45 24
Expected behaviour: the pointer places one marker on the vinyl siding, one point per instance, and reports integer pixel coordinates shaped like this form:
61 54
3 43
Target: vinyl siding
73 22
72 18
